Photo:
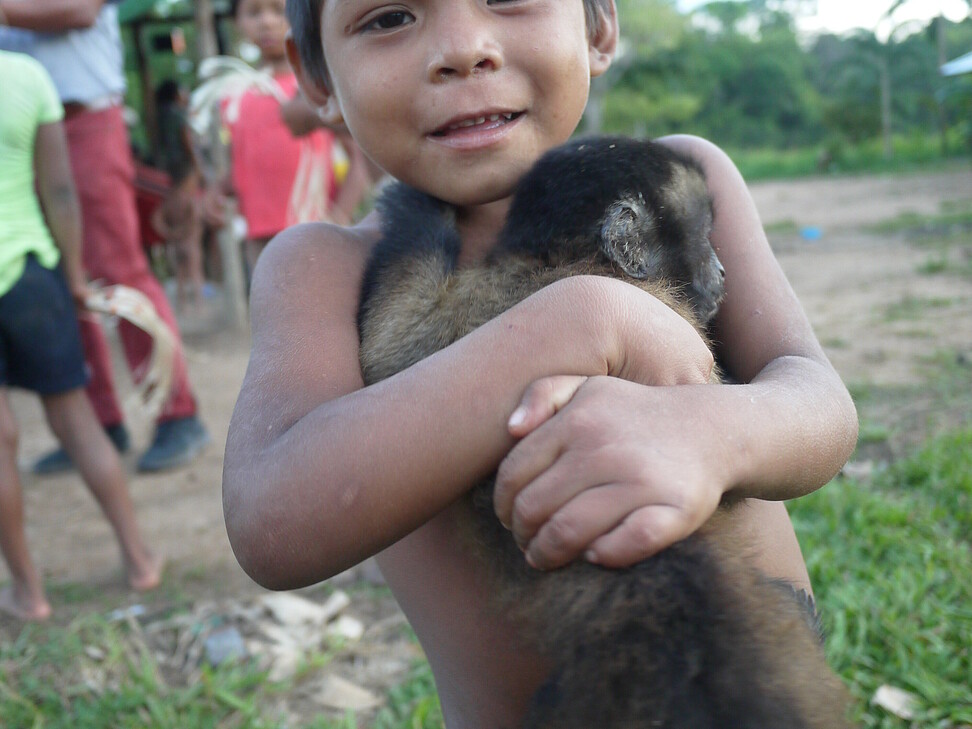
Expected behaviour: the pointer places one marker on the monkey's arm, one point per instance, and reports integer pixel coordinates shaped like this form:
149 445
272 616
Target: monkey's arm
319 473
678 450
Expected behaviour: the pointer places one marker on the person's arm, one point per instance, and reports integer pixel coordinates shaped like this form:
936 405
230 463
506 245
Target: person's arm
59 200
51 16
618 471
320 473
300 117
355 186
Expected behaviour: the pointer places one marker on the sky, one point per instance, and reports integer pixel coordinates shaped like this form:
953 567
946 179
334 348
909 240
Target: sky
839 16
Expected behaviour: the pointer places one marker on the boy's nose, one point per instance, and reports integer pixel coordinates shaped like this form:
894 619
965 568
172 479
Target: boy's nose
464 45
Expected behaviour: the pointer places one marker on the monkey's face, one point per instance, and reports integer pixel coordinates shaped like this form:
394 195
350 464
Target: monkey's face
459 97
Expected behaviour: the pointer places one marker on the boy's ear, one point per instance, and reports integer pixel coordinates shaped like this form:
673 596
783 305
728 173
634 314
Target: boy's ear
314 89
604 39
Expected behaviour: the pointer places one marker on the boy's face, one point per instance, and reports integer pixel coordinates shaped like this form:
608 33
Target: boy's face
263 23
459 97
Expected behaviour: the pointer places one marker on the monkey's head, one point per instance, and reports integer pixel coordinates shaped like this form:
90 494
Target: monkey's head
644 207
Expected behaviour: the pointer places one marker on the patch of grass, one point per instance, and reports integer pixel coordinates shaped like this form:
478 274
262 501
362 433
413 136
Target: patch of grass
781 227
909 308
838 156
94 673
873 432
835 343
413 704
954 217
891 564
934 265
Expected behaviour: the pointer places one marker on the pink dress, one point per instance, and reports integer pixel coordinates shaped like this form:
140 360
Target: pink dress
266 163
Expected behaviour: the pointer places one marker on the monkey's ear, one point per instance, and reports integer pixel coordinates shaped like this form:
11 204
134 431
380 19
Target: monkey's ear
604 38
314 89
628 237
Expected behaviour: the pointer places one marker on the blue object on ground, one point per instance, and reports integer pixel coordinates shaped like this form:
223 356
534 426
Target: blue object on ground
811 233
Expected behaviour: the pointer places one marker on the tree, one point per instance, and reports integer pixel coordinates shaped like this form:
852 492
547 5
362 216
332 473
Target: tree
648 28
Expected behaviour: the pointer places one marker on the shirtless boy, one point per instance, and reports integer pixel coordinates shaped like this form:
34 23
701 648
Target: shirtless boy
588 396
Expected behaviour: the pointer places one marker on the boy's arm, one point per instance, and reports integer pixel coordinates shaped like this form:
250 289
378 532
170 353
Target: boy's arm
320 474
59 201
622 488
51 16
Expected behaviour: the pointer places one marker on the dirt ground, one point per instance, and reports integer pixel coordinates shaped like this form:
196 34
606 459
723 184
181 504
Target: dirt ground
848 280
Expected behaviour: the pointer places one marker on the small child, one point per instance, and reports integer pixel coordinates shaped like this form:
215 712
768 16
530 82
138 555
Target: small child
587 398
179 219
40 343
278 179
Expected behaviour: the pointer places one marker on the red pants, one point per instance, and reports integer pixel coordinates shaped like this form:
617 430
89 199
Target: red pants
112 253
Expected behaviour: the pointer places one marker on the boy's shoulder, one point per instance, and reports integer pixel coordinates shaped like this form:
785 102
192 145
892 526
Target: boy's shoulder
312 267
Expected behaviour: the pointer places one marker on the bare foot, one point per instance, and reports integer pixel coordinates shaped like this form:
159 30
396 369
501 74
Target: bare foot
147 576
23 607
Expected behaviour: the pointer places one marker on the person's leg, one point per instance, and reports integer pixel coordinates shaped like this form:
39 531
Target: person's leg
104 173
24 598
73 421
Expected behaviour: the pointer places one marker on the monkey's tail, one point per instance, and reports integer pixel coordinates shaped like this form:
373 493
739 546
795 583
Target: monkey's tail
691 638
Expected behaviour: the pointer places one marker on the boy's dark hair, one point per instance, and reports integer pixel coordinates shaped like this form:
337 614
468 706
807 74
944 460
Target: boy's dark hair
304 17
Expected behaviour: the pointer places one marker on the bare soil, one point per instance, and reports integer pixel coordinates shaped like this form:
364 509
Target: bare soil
879 317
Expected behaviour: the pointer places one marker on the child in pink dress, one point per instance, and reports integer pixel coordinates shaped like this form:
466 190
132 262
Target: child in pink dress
278 180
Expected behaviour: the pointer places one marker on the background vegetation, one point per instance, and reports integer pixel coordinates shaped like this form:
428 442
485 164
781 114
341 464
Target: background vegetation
740 74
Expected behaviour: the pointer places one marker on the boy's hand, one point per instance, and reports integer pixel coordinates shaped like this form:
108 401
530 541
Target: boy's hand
608 469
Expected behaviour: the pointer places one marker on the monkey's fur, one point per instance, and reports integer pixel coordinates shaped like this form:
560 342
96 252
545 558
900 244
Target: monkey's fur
694 637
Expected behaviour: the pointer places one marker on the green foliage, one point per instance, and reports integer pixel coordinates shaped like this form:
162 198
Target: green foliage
767 89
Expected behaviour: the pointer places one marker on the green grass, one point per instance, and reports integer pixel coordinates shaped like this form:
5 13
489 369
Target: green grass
891 562
910 153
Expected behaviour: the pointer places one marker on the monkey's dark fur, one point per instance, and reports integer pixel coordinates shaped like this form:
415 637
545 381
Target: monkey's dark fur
694 637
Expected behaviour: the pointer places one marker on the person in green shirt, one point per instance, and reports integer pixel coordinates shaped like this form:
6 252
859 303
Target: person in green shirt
42 286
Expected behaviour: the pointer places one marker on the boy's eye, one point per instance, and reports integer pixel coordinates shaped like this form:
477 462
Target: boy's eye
388 21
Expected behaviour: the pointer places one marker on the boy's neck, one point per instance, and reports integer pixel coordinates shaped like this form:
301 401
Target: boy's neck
479 227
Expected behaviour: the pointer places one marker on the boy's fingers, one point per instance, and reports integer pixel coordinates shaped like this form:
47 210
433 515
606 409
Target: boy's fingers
549 493
522 465
643 533
568 533
541 401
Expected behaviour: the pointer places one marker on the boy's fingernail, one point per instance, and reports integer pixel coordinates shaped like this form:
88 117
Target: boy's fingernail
517 418
591 556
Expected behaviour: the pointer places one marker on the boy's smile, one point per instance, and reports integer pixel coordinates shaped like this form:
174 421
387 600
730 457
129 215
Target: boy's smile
458 97
476 130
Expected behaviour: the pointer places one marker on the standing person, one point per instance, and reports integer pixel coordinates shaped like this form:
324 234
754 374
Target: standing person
79 44
459 98
40 345
179 219
277 178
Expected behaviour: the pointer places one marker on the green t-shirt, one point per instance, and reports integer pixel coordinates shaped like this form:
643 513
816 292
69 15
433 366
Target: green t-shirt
27 101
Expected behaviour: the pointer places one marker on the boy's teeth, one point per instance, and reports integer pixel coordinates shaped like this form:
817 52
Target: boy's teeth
480 120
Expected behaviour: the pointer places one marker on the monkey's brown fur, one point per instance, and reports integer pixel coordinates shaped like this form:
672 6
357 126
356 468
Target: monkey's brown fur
694 637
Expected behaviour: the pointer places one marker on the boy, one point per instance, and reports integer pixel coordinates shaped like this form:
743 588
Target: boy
40 345
459 98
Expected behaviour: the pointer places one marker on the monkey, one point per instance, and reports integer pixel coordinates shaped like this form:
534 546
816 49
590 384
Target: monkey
694 637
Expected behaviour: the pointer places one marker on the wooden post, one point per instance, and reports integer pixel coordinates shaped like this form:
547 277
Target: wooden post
206 44
234 284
